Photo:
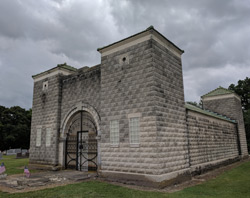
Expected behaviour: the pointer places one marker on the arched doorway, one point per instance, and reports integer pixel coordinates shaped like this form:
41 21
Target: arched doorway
81 143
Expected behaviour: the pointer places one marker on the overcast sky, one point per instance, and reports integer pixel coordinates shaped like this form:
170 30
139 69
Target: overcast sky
37 35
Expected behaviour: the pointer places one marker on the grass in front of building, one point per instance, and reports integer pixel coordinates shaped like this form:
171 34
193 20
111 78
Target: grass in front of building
231 184
13 165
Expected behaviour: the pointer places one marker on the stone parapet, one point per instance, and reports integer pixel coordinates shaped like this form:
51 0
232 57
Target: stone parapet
229 106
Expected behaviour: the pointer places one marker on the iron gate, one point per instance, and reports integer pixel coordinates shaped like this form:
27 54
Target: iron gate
81 144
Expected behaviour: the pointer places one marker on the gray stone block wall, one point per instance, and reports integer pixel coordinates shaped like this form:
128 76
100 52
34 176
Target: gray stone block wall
151 84
230 107
45 114
224 106
127 88
210 139
84 86
168 97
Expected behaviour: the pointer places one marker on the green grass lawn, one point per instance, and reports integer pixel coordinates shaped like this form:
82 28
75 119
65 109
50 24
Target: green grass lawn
231 184
13 165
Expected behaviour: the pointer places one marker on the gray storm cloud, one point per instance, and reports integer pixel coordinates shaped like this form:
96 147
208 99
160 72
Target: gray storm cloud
38 35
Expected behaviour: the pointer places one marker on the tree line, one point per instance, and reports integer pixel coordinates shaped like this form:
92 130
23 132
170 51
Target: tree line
15 125
243 90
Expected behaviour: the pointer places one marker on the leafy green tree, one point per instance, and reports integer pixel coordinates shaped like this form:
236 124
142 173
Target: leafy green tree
14 127
195 103
243 90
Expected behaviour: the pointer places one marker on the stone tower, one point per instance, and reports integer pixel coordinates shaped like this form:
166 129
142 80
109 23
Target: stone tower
46 115
226 102
142 87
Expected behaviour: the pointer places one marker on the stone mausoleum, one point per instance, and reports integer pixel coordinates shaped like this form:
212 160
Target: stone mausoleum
126 118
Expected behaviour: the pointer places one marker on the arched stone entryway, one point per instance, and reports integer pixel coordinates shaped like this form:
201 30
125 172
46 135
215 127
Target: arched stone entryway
80 132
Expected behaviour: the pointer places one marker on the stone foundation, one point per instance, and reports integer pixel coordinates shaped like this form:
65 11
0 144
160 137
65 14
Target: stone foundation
161 181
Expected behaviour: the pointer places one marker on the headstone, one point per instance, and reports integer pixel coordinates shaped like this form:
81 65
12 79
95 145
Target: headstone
19 155
18 150
10 152
24 151
23 154
13 151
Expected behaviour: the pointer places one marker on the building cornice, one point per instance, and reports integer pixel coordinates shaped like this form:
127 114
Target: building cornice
52 72
206 98
149 33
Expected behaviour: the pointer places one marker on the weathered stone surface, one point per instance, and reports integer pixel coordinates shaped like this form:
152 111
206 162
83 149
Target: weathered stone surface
46 114
127 89
210 139
169 109
230 107
82 87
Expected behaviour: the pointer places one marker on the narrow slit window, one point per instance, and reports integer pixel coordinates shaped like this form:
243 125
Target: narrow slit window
48 137
114 132
38 136
45 85
134 129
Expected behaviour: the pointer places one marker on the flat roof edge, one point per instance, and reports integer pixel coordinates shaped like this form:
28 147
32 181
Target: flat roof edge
62 67
208 113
